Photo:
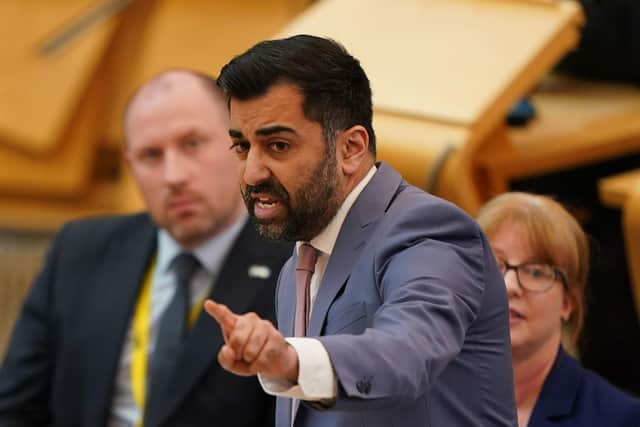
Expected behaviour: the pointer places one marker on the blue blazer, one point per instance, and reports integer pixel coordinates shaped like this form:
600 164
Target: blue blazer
413 313
573 396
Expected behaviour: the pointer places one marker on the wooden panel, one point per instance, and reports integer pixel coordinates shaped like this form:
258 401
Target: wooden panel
39 92
418 148
48 214
577 122
631 227
444 60
615 190
623 191
67 92
42 188
199 34
66 171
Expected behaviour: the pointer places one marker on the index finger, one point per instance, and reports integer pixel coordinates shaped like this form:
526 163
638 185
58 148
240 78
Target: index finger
221 313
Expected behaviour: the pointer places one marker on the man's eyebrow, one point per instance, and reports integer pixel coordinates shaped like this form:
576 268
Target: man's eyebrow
233 133
270 130
265 131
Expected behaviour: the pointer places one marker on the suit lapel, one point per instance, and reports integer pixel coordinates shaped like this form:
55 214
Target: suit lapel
559 391
109 305
355 232
287 304
235 289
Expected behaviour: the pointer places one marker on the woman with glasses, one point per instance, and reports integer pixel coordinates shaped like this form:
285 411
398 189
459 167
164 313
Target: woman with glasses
544 256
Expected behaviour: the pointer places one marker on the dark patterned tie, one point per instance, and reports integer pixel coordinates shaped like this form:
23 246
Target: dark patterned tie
305 267
174 324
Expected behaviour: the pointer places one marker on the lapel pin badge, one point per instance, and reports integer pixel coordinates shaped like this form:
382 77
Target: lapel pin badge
259 271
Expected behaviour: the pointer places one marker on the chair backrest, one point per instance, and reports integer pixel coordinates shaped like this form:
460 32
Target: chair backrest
623 192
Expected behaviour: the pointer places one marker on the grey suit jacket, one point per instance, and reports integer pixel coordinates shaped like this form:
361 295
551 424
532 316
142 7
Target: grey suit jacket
413 313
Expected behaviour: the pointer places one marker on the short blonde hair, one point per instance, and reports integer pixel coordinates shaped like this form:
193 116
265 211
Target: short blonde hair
555 237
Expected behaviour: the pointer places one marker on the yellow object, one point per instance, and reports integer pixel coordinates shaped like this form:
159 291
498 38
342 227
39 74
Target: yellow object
140 349
139 355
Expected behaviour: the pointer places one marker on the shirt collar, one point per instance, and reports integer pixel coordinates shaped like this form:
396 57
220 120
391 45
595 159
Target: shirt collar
210 254
326 240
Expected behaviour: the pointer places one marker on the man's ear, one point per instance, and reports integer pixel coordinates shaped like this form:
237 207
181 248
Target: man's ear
353 149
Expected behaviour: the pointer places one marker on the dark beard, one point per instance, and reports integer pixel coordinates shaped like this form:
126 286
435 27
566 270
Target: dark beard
317 202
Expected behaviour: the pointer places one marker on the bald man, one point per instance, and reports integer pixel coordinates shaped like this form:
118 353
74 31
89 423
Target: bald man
111 333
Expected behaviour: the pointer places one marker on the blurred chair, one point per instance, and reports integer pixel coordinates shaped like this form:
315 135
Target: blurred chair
67 73
623 192
577 123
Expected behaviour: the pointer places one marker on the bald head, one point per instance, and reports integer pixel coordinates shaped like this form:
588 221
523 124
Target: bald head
160 86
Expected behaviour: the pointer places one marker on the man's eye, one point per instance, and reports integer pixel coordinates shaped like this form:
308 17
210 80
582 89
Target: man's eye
279 146
240 147
150 155
193 143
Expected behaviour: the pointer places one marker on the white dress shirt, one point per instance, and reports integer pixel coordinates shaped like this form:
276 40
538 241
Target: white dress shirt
316 378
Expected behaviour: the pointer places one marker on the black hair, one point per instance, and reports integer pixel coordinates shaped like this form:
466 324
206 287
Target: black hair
335 88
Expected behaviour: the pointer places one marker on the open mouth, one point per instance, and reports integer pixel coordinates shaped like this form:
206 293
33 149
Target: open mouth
266 207
515 315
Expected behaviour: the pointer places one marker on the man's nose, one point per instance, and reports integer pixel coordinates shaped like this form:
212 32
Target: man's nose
176 169
255 169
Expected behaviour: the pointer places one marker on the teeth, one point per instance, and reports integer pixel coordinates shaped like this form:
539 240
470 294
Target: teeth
265 204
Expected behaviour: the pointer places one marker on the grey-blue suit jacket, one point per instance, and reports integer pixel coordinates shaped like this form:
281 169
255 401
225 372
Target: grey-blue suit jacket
413 312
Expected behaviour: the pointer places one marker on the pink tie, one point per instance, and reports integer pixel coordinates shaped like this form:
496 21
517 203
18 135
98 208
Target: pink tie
305 266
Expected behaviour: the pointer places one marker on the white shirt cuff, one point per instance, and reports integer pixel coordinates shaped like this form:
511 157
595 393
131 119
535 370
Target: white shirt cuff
316 378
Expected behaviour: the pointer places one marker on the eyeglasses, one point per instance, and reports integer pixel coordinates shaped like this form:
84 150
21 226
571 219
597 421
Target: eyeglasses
534 277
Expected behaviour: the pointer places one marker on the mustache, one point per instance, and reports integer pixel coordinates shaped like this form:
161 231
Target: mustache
270 187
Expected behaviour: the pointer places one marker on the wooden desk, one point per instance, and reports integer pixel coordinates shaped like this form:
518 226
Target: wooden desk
578 122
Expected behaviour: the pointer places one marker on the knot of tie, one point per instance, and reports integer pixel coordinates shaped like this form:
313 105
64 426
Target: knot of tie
307 257
184 265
